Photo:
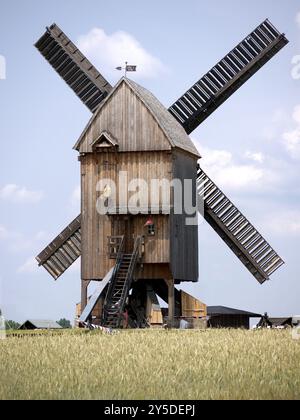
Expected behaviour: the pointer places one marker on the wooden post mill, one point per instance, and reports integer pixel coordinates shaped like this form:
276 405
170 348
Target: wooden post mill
135 156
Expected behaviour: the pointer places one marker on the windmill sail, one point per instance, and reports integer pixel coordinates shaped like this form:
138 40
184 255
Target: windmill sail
77 71
58 256
236 231
227 76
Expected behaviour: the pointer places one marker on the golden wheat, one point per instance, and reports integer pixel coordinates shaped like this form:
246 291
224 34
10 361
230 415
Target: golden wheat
152 364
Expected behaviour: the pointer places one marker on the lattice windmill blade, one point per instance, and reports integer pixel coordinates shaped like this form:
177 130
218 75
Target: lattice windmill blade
77 71
63 251
226 77
236 231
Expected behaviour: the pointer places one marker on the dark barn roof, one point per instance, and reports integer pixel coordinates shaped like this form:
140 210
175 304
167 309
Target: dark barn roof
280 322
223 310
38 324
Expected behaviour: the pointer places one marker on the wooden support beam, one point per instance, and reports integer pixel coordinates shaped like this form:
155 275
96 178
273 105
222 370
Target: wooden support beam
171 302
84 294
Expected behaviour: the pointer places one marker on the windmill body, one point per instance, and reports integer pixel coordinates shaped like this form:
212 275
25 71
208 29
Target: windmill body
148 145
130 235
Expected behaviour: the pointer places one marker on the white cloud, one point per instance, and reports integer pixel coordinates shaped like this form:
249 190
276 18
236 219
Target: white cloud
17 242
278 120
291 141
110 51
285 223
255 157
298 19
227 173
291 138
240 176
30 266
296 114
16 194
212 157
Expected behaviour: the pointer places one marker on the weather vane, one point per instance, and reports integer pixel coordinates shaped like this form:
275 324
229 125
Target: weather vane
127 68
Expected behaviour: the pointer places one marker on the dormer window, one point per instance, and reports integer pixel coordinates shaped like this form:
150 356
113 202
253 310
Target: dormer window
105 142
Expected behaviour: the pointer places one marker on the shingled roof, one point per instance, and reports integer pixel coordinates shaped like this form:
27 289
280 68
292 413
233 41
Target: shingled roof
174 132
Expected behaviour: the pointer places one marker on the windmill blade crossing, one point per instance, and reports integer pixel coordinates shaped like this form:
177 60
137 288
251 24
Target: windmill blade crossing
63 251
76 70
226 77
236 231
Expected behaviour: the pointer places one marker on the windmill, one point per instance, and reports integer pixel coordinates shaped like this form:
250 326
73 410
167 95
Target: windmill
118 249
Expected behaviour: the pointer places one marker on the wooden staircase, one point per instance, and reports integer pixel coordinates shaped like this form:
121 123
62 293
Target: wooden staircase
119 287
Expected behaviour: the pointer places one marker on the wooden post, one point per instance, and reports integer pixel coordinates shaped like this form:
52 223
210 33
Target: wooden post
171 302
84 294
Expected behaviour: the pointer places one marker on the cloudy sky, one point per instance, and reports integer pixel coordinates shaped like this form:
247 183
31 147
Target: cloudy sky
250 146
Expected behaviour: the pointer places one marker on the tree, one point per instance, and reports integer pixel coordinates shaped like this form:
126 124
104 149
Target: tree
64 323
12 325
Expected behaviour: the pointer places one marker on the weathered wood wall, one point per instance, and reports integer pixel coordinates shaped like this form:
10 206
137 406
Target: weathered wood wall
144 152
192 307
97 228
184 238
126 117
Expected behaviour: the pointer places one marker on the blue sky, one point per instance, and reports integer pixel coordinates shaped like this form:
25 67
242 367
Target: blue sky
250 146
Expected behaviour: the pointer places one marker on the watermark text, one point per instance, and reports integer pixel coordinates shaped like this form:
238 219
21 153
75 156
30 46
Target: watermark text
296 67
2 68
155 196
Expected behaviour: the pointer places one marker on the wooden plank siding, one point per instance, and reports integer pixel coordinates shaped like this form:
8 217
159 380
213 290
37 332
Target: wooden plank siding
97 228
143 148
192 307
129 121
184 257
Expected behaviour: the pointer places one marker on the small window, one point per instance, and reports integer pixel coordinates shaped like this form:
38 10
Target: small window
151 230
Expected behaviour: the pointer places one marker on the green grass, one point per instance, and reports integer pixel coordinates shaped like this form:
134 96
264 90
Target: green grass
212 364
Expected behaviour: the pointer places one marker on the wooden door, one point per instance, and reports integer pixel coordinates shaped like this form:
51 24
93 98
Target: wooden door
123 225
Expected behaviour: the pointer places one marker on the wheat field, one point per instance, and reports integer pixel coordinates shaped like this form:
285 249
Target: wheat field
152 364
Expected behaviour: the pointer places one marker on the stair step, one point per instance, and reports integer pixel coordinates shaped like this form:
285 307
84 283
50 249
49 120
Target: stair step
117 299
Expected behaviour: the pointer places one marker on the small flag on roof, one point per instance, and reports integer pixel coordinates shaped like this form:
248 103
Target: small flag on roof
131 68
127 68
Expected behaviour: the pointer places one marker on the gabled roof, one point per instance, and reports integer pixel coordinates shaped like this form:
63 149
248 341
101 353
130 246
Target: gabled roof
223 310
41 324
174 132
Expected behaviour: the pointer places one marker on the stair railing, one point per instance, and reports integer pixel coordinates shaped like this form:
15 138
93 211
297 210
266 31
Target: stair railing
111 286
136 255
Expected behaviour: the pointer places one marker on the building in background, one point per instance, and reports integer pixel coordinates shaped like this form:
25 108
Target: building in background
32 324
223 317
